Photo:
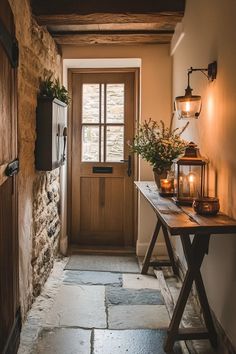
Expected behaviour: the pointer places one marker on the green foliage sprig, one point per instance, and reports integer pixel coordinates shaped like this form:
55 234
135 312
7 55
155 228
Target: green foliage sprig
158 145
53 89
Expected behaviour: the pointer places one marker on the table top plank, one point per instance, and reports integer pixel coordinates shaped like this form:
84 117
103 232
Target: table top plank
183 219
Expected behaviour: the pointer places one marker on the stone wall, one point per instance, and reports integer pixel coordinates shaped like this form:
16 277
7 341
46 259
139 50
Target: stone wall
46 225
39 223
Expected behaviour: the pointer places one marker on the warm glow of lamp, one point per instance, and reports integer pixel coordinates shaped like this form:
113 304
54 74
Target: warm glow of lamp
189 106
191 178
190 175
167 185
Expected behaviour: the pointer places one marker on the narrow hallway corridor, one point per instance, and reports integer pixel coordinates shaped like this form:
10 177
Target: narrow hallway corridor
98 305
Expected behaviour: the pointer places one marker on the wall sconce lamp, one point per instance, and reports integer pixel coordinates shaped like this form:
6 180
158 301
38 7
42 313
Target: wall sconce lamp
189 106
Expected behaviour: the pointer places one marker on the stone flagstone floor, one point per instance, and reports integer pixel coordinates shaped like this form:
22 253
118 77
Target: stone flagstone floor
93 312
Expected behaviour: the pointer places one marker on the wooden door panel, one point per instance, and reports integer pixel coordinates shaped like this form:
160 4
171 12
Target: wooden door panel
114 205
6 273
6 74
102 203
10 321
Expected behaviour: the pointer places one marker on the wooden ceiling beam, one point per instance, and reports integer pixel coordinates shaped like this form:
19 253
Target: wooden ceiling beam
122 39
161 26
80 22
170 18
52 7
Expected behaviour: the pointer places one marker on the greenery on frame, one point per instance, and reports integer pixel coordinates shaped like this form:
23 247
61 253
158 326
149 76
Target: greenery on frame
53 89
158 145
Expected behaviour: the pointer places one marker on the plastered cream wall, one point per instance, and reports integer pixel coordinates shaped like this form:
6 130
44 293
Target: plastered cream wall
210 34
155 102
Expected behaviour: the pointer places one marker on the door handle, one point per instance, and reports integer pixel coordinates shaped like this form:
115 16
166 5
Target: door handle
129 169
12 168
64 145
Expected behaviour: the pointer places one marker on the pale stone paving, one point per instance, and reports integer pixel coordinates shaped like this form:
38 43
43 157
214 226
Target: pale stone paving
76 306
138 316
139 281
94 312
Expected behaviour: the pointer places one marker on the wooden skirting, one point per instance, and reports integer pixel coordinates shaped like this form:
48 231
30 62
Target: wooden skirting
159 249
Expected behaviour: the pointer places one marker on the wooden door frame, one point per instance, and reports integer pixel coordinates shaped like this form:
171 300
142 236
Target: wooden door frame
12 342
71 71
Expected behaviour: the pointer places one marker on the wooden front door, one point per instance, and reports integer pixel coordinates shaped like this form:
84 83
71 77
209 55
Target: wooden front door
10 322
102 169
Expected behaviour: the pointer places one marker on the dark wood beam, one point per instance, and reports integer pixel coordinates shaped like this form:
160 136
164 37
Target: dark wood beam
108 18
122 39
161 26
114 32
52 7
107 22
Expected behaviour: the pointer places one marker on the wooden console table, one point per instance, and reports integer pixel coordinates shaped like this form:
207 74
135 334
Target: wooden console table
183 221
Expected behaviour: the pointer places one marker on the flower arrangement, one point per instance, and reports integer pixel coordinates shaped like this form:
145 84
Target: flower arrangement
53 89
158 145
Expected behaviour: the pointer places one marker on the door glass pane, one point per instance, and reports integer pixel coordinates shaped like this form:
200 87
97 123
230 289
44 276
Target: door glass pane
114 143
90 103
90 143
115 103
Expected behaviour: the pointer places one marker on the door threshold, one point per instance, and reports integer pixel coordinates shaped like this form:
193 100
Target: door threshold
84 249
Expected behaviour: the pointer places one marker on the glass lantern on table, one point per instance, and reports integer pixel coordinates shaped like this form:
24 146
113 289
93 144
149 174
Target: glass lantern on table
189 176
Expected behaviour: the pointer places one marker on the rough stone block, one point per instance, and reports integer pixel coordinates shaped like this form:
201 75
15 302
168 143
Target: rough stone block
63 340
139 281
138 316
92 278
131 342
123 296
79 306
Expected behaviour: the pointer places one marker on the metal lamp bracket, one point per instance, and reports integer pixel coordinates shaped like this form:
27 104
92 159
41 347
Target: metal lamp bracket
210 72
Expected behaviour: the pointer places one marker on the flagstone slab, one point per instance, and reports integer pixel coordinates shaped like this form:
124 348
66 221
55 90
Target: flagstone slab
138 316
139 281
78 306
63 340
121 296
92 278
104 263
131 342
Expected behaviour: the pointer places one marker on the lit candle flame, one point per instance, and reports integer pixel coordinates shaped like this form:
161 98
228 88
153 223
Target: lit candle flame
191 178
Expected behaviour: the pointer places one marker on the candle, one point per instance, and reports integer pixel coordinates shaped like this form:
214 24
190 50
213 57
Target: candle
191 180
166 186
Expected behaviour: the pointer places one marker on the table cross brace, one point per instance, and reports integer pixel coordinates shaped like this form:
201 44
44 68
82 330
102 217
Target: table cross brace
147 263
194 253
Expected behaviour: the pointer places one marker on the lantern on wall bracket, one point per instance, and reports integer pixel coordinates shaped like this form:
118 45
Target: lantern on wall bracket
189 176
189 106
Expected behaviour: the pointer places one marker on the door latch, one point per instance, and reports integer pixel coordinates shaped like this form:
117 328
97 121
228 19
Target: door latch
129 169
12 168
